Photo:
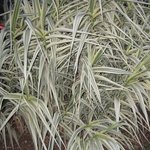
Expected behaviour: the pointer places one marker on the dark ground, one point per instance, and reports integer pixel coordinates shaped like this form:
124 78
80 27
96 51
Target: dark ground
25 139
26 144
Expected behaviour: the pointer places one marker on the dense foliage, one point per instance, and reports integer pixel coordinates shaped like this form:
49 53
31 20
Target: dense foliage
76 71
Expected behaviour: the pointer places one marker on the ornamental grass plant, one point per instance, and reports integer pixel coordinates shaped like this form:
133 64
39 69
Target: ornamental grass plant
76 71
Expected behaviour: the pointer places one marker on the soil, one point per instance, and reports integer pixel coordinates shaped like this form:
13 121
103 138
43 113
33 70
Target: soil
26 143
